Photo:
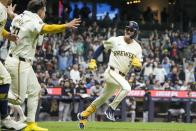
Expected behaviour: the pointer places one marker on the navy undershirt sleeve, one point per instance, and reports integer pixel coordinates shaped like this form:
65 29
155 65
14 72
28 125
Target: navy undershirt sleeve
99 50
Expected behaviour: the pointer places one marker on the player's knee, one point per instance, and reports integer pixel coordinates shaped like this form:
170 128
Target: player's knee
13 99
34 93
125 91
103 98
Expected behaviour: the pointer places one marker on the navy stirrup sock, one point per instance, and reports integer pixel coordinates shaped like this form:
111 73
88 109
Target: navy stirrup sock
3 100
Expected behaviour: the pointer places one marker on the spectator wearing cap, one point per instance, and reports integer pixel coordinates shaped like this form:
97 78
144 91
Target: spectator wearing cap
80 95
146 105
65 103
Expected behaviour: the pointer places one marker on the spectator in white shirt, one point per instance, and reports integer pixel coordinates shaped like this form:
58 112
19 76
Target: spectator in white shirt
75 74
160 74
189 71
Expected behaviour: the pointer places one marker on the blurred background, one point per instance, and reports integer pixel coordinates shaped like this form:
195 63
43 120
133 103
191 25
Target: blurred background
165 90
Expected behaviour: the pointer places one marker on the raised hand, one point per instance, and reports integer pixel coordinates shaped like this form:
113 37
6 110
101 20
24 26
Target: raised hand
10 11
74 23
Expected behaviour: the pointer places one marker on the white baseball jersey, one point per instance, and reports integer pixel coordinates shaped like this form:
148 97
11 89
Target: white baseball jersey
27 26
4 75
3 18
122 53
24 81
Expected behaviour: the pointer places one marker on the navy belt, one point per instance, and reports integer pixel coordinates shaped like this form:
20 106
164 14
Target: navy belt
20 58
119 72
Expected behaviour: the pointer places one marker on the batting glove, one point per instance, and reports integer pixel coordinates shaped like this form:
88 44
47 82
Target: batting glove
136 63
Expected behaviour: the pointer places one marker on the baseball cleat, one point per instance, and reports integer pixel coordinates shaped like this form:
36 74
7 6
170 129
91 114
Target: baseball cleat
110 114
9 124
82 121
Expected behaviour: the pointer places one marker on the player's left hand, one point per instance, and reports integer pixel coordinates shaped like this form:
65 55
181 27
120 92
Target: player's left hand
136 63
12 37
73 24
10 11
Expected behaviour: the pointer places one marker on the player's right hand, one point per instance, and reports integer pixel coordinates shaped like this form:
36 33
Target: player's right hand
92 65
12 37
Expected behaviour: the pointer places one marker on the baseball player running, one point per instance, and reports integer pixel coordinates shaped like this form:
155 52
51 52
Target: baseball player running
5 79
29 27
126 53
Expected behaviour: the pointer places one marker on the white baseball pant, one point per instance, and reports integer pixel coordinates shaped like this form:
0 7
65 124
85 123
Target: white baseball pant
114 81
24 81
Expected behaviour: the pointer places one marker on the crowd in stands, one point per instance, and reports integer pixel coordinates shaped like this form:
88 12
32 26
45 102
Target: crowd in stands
168 63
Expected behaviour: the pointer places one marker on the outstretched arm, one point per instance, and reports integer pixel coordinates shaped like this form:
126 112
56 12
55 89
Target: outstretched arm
92 64
57 28
106 45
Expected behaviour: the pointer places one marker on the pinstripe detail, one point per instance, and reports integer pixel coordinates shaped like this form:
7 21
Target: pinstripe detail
118 83
19 79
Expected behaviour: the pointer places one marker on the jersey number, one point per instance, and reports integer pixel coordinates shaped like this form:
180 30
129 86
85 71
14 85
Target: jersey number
16 30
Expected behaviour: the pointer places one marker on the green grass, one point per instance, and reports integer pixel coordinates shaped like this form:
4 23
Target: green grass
118 126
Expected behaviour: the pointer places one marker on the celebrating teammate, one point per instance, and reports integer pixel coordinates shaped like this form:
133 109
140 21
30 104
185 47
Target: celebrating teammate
126 53
5 79
29 27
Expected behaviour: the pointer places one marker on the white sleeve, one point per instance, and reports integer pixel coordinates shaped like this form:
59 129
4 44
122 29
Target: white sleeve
38 26
108 44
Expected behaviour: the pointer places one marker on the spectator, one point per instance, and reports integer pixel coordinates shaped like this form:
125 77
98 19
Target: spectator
164 16
148 15
131 106
76 12
85 11
80 95
146 105
107 20
189 71
75 74
176 109
65 103
160 74
66 11
96 90
166 65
